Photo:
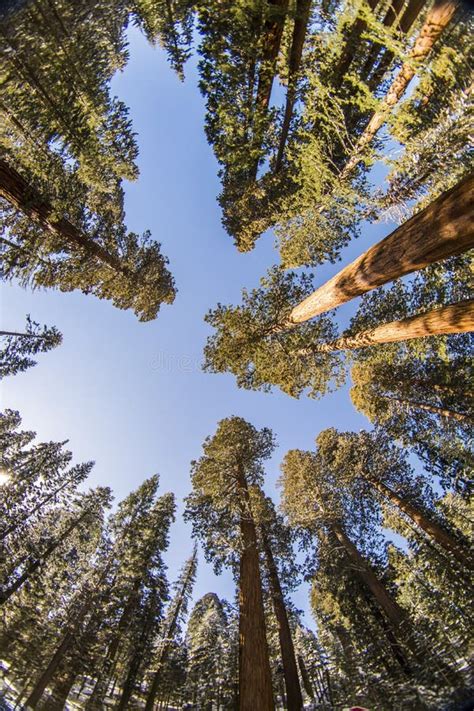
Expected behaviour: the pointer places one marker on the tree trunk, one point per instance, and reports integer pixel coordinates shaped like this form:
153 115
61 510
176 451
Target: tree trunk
273 30
5 595
455 318
25 197
255 681
20 335
101 685
351 45
305 677
411 13
296 52
445 228
392 610
164 650
441 411
61 692
433 529
49 672
290 670
436 21
389 20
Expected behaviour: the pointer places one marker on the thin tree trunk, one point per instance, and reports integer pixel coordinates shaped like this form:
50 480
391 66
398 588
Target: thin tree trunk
392 610
305 677
164 650
20 335
389 20
296 52
351 45
411 13
25 197
255 682
436 21
290 670
442 411
273 30
455 318
49 672
445 228
5 595
433 529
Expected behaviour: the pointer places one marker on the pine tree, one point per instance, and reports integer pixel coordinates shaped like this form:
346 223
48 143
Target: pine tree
140 529
220 510
252 341
15 355
212 644
176 611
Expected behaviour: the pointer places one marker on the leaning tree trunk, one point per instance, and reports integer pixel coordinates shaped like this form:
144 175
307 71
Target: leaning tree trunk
433 529
296 52
436 21
455 318
390 18
350 47
411 13
25 198
255 681
443 229
290 670
48 674
434 409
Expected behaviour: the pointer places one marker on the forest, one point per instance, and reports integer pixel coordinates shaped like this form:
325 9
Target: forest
324 117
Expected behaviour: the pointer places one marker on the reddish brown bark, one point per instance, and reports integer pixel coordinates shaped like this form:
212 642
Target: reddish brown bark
433 529
290 670
443 229
436 21
455 318
296 52
255 682
26 198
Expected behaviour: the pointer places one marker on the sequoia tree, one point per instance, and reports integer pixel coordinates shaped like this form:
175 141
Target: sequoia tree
19 346
220 509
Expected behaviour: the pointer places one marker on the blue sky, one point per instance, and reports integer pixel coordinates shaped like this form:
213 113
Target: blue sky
131 396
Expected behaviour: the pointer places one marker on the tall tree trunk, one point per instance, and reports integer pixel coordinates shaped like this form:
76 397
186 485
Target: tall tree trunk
308 687
255 682
434 409
390 19
49 672
164 649
25 197
33 566
290 670
433 529
350 47
407 19
436 21
99 692
392 610
273 30
296 52
20 335
61 691
444 228
455 318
